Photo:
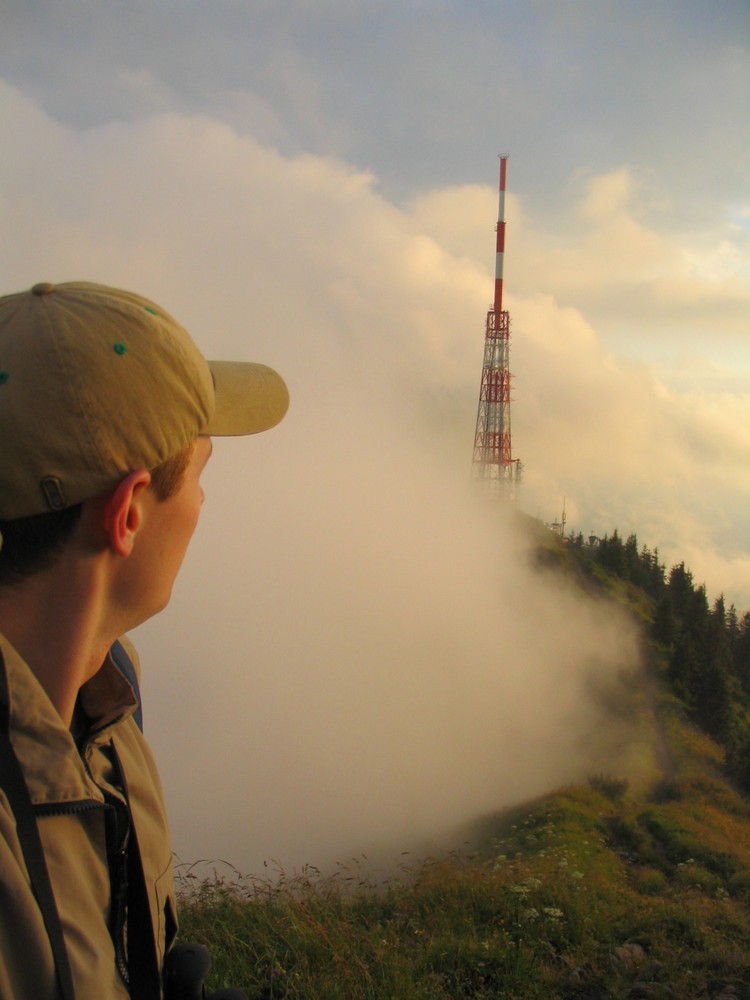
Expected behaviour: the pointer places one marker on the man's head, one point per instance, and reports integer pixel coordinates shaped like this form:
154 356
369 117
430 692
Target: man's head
31 544
96 383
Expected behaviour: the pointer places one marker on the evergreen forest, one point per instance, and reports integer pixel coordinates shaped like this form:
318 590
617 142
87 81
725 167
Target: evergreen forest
704 644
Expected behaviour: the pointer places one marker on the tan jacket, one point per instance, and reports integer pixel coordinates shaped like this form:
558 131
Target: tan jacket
68 791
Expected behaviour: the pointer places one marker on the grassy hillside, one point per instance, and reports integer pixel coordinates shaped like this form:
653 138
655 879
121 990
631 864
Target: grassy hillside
634 885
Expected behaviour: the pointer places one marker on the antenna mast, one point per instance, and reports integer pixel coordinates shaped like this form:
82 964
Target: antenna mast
493 463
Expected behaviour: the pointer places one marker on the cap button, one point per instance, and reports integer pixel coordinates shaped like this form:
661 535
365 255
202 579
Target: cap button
43 288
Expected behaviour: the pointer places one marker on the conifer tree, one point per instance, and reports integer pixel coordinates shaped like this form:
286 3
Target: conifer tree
741 653
713 705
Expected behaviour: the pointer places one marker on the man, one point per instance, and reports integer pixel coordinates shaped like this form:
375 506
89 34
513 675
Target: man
107 410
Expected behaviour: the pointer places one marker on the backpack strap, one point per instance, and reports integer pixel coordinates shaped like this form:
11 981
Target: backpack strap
125 665
13 784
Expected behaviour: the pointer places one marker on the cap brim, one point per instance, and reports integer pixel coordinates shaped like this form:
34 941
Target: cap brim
249 398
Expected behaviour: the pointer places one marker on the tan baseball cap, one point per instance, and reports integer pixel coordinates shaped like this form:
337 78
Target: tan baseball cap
96 382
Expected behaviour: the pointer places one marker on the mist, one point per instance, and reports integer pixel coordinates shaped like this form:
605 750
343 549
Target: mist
359 657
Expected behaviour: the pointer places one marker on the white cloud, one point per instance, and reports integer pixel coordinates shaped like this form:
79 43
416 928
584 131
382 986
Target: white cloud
637 281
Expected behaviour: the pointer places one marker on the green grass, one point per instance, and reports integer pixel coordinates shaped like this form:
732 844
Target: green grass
588 892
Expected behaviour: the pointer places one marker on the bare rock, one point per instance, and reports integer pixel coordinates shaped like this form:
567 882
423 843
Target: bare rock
630 954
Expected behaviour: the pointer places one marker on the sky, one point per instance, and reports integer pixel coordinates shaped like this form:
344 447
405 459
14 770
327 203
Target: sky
314 186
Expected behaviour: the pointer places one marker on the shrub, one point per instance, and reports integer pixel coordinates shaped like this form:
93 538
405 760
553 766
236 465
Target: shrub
612 788
649 881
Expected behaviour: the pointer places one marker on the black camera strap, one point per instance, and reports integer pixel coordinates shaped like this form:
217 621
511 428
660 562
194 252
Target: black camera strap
144 975
13 784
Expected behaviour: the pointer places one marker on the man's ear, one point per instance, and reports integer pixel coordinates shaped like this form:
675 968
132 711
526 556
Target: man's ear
123 512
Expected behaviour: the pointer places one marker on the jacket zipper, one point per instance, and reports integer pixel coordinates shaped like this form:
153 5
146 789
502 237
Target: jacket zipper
68 808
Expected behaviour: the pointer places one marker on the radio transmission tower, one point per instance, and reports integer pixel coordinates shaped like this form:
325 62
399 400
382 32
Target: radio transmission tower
493 466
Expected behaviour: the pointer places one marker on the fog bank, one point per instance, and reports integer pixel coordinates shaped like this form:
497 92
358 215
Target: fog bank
359 658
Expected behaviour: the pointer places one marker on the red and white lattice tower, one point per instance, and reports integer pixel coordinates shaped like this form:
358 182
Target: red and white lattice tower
493 465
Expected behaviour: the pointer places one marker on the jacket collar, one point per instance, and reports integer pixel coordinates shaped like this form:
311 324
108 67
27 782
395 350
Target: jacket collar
54 770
